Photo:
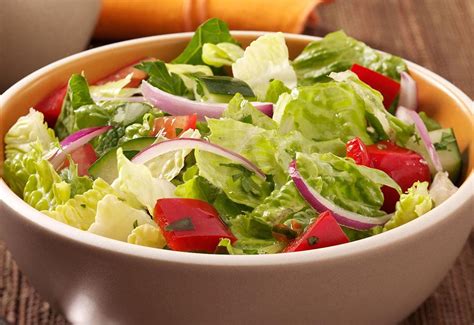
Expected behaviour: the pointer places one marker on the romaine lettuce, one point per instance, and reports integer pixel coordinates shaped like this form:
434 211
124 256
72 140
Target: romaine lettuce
242 110
264 60
80 210
337 52
115 219
147 235
114 89
441 188
218 55
412 204
275 89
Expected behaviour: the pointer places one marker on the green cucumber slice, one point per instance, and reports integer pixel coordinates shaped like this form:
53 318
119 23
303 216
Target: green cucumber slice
106 166
221 89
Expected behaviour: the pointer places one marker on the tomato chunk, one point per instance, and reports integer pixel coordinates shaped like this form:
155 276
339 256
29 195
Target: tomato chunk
389 88
84 157
173 126
403 165
51 105
138 75
324 232
190 225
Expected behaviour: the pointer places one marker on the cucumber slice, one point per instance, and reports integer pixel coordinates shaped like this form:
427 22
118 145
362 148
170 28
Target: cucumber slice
446 145
106 166
221 89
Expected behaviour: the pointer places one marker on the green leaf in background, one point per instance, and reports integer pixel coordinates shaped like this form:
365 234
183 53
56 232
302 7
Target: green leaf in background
343 182
77 95
160 77
213 31
414 203
242 110
218 55
275 89
338 52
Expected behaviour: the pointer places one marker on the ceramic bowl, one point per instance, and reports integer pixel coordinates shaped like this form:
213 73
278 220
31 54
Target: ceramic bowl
96 280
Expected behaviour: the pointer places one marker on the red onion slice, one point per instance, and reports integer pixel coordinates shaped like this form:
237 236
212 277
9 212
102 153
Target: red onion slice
176 105
408 92
75 141
412 117
319 203
164 147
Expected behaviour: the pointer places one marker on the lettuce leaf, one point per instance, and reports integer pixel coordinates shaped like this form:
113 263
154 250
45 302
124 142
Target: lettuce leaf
80 210
386 125
350 186
79 184
44 189
77 95
147 235
324 111
242 110
169 165
213 31
275 89
264 60
412 204
337 52
142 128
115 219
160 77
137 183
27 130
114 89
187 71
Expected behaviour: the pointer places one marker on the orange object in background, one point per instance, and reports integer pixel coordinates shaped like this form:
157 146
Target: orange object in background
122 19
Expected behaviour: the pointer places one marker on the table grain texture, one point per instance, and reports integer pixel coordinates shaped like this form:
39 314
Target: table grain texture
437 34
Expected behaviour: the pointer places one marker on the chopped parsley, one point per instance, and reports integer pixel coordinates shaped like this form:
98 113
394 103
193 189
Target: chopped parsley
135 224
313 240
183 224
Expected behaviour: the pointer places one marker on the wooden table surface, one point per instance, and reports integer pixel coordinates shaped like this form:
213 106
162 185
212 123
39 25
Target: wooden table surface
437 34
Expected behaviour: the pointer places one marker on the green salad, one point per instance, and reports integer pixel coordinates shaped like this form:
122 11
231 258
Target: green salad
236 150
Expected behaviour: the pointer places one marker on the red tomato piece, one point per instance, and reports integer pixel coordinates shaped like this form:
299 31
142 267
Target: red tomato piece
51 105
389 88
174 125
138 75
84 157
403 165
190 225
324 232
357 150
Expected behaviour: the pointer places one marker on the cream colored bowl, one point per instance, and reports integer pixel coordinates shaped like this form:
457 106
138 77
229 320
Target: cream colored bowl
96 280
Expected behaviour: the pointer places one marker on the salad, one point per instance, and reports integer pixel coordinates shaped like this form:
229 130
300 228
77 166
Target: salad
233 150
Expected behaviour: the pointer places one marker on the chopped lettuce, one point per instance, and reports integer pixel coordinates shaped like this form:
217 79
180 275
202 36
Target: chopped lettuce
45 189
147 235
137 183
324 111
412 204
264 60
242 110
441 188
114 89
337 52
218 55
186 71
79 184
116 219
142 128
213 31
169 165
29 129
80 210
77 95
385 125
350 186
275 89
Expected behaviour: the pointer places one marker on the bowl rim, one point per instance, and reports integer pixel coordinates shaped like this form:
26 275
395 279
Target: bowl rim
352 249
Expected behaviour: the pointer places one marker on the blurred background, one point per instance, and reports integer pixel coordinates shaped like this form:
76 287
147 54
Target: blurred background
437 34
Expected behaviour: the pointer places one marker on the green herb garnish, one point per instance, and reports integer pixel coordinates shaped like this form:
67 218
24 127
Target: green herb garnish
183 224
313 240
